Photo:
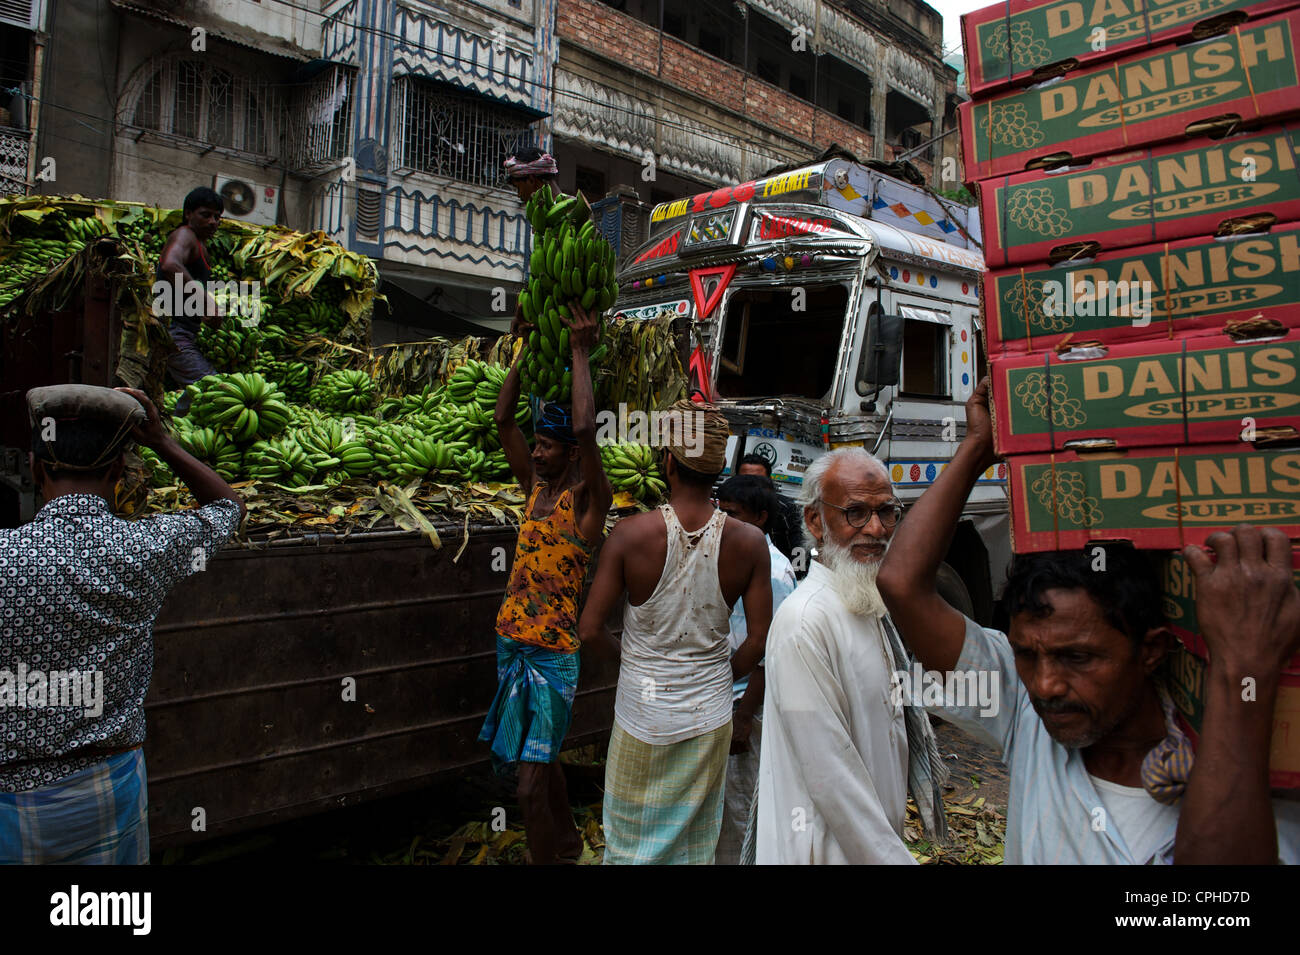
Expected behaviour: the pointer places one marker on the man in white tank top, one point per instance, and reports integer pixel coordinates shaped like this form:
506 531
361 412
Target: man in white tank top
682 568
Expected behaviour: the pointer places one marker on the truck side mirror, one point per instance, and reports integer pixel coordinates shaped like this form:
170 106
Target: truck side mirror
882 354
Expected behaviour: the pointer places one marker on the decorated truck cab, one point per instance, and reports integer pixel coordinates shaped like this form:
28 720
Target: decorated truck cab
832 305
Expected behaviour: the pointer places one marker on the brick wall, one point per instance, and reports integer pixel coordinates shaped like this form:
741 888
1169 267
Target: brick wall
595 26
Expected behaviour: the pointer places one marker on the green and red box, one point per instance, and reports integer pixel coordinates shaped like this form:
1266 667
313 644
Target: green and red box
1178 586
1006 43
1147 394
1174 192
1156 498
1186 680
1193 287
1150 97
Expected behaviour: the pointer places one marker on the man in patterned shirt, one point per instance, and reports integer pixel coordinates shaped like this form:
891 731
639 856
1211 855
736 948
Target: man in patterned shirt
79 591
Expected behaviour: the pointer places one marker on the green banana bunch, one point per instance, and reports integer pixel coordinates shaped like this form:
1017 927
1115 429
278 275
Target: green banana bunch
229 347
279 460
246 406
343 391
160 473
571 264
330 446
214 449
291 377
634 468
399 406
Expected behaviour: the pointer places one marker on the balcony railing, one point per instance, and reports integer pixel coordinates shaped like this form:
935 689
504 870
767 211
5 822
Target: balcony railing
15 144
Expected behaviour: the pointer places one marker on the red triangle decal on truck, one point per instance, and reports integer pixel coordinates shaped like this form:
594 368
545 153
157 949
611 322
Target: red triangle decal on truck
708 284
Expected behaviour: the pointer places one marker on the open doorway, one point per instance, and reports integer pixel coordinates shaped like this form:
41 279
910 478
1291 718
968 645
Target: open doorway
771 348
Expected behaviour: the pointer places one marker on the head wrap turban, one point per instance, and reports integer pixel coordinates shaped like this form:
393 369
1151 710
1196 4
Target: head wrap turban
687 421
543 165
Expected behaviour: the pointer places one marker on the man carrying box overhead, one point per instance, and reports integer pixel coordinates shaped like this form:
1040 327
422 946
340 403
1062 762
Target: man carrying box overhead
1099 770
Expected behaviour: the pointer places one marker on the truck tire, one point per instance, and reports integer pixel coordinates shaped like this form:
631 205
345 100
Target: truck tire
953 589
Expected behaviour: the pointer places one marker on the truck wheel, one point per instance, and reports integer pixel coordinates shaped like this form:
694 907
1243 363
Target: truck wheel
953 589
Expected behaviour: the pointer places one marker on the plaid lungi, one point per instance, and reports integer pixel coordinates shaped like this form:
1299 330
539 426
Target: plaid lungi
530 714
98 816
663 804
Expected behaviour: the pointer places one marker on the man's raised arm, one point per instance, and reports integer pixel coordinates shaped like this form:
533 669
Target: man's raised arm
933 630
1248 609
513 442
596 488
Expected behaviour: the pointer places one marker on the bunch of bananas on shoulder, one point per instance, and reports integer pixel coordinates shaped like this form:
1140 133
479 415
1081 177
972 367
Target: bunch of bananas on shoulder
634 468
343 391
214 449
570 265
244 405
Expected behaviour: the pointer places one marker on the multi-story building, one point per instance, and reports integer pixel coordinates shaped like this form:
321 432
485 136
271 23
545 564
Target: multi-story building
381 122
22 50
671 96
384 122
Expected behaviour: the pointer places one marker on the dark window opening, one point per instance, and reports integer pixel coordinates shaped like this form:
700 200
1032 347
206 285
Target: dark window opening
799 85
925 360
768 71
589 182
675 24
758 330
711 43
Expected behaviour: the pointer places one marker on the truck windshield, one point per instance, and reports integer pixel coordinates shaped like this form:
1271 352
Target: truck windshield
782 342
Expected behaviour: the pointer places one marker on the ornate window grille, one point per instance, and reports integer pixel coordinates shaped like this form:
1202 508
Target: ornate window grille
457 135
14 147
194 99
322 117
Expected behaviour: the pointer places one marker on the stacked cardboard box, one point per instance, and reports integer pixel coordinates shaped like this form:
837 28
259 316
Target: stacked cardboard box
1137 167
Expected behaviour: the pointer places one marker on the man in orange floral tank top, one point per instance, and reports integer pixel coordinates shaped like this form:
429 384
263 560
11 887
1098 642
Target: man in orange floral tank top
537 643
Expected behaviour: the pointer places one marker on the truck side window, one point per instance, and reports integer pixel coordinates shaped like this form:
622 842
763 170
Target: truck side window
925 359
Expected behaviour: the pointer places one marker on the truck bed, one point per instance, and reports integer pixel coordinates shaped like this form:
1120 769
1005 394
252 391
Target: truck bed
246 716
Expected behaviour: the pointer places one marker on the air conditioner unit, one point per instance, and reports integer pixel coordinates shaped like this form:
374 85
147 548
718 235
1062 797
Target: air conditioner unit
248 201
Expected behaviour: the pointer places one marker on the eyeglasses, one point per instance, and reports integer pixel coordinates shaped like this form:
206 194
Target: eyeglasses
859 515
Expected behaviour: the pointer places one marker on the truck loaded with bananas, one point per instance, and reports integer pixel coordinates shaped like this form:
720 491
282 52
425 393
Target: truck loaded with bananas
299 402
570 264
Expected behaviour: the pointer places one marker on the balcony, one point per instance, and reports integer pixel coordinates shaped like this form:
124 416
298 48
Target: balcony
15 145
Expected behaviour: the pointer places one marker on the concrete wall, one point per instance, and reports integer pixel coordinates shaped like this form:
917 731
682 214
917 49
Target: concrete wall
160 172
79 92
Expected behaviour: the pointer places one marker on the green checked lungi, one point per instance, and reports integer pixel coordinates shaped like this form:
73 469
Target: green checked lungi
530 714
663 804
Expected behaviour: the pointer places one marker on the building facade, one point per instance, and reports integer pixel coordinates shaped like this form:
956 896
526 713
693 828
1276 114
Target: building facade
667 97
384 122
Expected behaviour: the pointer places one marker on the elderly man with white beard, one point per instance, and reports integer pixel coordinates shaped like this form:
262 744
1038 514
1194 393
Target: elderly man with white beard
833 778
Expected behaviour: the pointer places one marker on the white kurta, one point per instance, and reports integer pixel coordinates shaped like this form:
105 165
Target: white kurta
832 784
